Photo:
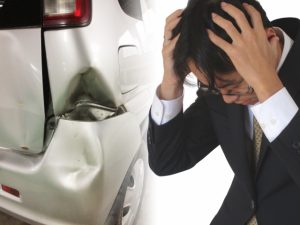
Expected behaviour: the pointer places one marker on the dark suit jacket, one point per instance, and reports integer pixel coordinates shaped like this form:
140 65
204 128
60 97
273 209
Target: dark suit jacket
273 192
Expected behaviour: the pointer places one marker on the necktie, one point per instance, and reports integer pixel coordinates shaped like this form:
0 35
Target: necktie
252 221
257 131
256 139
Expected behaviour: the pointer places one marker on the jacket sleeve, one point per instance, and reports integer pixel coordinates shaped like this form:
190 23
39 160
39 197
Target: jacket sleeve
287 148
182 142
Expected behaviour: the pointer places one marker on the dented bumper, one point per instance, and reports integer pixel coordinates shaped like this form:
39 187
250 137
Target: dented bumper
78 176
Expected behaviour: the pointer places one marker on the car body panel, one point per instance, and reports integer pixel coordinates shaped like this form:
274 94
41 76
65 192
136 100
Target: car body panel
67 183
80 51
22 114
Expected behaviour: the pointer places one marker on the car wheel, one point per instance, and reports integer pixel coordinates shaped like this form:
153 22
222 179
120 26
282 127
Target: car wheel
133 193
127 203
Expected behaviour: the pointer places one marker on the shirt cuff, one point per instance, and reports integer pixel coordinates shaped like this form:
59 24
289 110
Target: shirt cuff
162 111
275 113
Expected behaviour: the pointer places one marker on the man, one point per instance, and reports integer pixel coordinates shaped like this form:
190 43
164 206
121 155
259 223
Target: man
247 103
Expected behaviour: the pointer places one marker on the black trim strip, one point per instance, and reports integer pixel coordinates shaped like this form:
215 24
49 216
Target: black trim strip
48 103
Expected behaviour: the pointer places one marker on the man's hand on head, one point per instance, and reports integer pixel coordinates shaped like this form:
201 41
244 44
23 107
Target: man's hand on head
254 52
171 86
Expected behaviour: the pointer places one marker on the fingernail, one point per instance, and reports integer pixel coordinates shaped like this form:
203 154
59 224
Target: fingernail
213 15
245 4
223 4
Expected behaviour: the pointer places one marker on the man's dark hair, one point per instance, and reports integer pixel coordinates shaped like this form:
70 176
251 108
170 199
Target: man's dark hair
194 43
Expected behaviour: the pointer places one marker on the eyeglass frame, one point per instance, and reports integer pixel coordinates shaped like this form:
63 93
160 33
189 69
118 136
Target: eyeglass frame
216 91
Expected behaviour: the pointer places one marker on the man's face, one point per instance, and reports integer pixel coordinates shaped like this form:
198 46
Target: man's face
232 87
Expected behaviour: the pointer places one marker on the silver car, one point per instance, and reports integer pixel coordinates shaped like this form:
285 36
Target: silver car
75 91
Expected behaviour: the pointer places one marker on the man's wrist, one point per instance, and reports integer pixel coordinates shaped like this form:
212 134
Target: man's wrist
169 91
267 89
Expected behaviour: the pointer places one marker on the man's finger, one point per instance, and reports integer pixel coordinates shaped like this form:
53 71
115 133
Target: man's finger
174 15
170 26
220 42
174 41
171 43
238 15
255 16
227 26
168 35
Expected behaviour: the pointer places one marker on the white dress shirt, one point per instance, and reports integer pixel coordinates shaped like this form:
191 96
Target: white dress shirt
273 115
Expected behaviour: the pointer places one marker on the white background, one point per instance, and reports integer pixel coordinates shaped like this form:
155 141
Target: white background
194 197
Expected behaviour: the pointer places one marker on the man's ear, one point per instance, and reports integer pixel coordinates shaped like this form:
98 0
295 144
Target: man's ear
275 37
271 33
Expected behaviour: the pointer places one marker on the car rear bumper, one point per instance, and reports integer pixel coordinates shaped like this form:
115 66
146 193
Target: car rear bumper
77 178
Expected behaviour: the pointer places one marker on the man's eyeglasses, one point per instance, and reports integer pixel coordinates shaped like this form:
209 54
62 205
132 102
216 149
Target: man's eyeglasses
216 91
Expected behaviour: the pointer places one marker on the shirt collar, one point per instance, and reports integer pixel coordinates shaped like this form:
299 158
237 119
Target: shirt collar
287 45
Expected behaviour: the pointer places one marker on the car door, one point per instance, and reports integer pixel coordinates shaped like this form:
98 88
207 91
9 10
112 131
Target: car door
135 56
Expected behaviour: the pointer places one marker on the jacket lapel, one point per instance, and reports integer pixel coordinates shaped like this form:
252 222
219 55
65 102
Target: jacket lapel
263 150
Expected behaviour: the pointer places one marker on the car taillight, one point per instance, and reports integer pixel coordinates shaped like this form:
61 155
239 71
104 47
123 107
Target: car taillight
10 190
62 13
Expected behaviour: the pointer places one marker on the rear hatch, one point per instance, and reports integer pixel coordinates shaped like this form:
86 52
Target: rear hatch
22 110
